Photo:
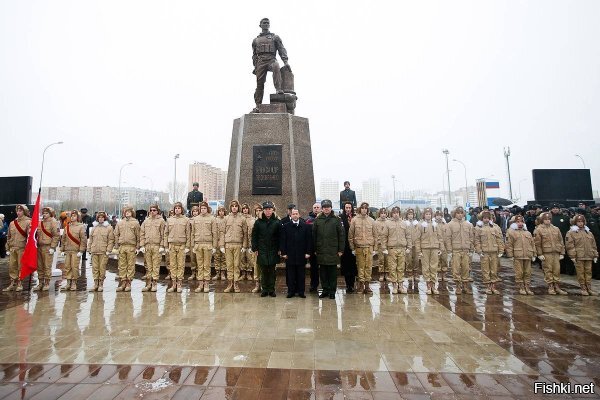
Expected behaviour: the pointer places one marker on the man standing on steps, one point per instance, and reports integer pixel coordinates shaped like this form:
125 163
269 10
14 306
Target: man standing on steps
265 243
194 197
329 243
347 195
264 57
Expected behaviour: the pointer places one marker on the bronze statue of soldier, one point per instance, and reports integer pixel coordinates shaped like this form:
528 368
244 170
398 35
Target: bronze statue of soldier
264 57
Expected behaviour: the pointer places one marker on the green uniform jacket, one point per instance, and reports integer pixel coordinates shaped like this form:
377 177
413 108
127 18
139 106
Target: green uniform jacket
265 239
328 238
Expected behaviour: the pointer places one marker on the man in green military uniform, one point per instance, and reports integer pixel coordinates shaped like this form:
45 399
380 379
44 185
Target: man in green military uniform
265 243
561 221
195 197
264 57
329 242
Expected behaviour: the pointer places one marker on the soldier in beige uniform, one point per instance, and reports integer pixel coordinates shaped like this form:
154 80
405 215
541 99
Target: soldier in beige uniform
429 243
382 261
550 248
520 248
219 256
152 237
73 244
362 237
443 260
177 242
582 249
459 244
18 232
205 239
412 259
193 260
48 235
127 242
235 240
102 242
396 243
489 244
246 266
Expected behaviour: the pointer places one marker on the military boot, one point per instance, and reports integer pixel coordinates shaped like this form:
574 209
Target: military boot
127 286
153 287
121 286
223 277
522 289
9 287
95 287
401 287
590 291
584 291
433 289
236 287
179 283
229 287
73 287
256 287
200 287
206 287
528 290
46 285
551 289
394 287
558 289
459 288
100 285
494 290
381 277
19 287
488 288
148 285
173 287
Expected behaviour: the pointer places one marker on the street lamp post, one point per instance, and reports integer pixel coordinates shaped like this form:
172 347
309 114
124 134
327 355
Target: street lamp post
175 178
466 181
446 152
582 160
120 197
43 159
507 155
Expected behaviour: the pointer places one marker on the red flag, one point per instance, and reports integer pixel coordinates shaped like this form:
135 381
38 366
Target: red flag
29 259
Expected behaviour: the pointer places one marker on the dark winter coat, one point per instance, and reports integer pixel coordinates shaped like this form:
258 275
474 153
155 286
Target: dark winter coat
295 241
328 238
265 239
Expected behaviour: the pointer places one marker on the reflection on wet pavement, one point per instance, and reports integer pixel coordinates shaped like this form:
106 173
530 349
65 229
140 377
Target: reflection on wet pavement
214 345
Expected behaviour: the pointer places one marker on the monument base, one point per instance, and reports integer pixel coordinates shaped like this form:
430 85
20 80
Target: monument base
271 159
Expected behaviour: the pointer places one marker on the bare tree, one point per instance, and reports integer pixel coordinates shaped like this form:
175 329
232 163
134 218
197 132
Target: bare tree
180 192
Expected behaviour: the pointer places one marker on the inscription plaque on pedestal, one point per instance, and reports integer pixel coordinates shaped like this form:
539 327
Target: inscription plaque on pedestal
267 169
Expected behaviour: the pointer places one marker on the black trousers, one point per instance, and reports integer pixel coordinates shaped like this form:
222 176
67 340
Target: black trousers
314 272
350 278
296 277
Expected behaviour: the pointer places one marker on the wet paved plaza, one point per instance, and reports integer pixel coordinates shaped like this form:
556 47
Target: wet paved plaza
79 345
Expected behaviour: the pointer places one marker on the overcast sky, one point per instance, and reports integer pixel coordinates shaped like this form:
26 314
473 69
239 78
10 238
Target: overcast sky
385 85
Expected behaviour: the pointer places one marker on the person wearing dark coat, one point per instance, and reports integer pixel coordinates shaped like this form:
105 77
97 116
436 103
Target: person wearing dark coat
88 222
265 243
347 195
314 266
561 221
328 239
194 198
295 245
348 261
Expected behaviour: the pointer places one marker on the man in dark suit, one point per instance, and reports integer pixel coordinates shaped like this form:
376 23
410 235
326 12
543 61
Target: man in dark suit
295 245
195 197
347 195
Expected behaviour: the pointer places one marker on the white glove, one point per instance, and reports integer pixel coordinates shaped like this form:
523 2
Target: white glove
62 253
79 254
51 251
542 258
167 251
143 250
186 251
108 253
533 258
471 254
307 256
439 252
115 251
500 254
420 255
161 249
561 257
213 251
595 260
481 254
8 253
373 253
353 252
222 250
574 260
243 250
408 251
250 251
386 252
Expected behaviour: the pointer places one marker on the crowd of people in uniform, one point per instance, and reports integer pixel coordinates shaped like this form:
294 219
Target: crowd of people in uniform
246 243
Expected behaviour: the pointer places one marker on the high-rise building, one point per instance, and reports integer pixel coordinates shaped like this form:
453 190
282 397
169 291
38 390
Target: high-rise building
371 192
330 189
212 180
